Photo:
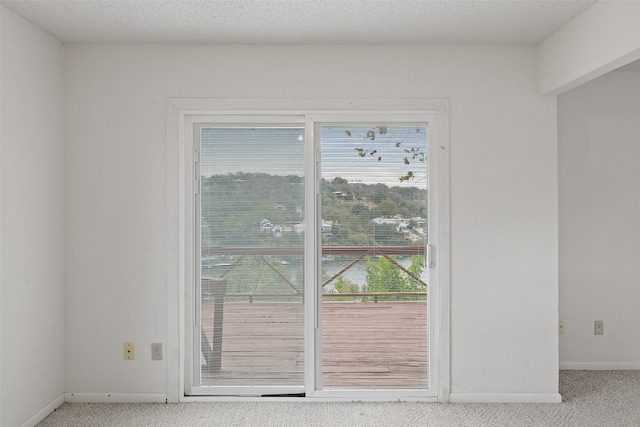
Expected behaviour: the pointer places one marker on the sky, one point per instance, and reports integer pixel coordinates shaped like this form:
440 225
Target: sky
281 150
340 157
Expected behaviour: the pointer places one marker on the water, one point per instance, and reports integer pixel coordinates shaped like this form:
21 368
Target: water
216 266
357 273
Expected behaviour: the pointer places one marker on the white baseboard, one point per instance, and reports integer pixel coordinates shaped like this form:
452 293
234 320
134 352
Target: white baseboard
44 412
505 398
115 397
599 366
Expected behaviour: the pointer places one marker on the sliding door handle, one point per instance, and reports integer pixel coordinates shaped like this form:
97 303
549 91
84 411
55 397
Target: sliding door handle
431 256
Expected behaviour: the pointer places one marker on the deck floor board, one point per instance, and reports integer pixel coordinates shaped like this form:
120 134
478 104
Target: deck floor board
365 344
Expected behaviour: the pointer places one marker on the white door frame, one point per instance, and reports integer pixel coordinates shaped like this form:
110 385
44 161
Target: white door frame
181 111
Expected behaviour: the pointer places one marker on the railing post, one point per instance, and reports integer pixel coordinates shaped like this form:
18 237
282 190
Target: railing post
213 355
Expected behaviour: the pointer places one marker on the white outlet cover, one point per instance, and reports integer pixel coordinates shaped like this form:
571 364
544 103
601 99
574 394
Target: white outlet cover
156 351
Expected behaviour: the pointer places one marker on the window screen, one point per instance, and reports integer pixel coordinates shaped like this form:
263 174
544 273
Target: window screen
251 231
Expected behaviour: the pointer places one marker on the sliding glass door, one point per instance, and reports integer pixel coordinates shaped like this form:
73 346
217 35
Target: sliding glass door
311 267
373 275
250 213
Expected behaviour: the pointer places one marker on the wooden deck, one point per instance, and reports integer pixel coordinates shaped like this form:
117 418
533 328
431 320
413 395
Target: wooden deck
365 344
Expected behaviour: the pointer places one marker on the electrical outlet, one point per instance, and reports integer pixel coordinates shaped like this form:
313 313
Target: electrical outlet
156 351
561 328
598 327
129 351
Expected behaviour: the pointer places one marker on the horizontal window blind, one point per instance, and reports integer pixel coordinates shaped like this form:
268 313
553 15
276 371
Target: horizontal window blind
374 232
251 233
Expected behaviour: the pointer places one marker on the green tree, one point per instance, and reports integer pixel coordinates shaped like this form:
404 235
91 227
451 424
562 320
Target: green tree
254 276
380 192
384 276
339 182
383 233
359 239
387 208
345 286
360 209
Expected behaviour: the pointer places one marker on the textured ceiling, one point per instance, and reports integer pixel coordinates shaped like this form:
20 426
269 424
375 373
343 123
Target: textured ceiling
333 22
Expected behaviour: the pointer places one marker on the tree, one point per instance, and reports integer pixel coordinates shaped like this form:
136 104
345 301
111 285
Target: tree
361 217
360 209
253 276
359 239
384 276
345 286
387 208
380 192
384 233
338 181
234 204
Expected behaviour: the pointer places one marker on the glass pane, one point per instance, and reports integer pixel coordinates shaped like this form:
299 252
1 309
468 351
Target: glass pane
252 211
374 280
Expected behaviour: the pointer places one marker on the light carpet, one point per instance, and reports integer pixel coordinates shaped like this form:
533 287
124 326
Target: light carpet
590 398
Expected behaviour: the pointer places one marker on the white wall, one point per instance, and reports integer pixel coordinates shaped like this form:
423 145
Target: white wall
604 37
599 151
503 195
32 221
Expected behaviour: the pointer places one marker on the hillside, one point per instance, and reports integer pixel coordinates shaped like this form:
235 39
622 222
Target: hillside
268 210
